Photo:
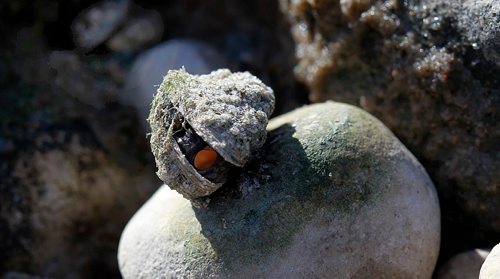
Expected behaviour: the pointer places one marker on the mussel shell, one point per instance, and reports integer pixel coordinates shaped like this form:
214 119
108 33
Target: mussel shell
227 111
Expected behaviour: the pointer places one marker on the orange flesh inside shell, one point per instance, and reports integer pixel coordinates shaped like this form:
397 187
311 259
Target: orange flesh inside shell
205 158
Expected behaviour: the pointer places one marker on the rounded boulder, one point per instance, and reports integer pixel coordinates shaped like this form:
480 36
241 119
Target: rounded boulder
332 194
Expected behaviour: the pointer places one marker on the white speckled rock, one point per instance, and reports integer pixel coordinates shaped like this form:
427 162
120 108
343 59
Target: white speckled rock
148 70
333 194
465 265
491 266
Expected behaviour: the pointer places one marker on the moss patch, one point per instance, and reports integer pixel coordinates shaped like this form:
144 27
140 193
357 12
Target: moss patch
325 159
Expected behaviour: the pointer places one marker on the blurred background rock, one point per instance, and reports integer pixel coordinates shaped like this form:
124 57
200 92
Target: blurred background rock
76 78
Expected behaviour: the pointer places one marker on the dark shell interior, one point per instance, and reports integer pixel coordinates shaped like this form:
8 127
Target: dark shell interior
190 144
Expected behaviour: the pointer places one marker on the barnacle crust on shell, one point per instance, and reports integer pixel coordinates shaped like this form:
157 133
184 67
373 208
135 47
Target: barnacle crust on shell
229 111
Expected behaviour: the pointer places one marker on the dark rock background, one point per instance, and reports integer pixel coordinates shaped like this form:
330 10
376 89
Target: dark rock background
74 158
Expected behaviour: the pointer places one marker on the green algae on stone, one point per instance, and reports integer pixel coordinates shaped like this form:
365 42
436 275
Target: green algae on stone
331 191
429 70
228 111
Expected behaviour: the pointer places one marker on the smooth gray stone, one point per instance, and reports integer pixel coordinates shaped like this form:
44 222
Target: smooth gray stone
333 195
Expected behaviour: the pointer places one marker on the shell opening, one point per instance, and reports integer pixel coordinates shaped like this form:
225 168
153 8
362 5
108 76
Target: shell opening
204 159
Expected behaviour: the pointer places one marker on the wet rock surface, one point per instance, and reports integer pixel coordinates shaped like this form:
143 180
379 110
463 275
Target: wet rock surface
429 70
332 194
